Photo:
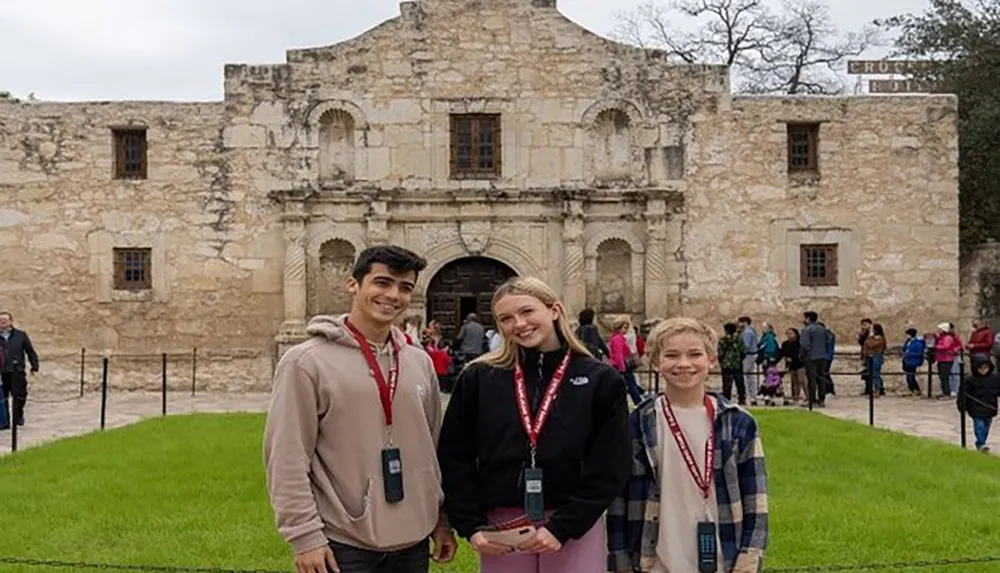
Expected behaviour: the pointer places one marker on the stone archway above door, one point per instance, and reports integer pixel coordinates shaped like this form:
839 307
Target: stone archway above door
497 249
463 286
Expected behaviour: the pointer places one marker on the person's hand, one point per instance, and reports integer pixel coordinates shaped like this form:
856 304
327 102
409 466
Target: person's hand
486 547
445 546
319 560
542 542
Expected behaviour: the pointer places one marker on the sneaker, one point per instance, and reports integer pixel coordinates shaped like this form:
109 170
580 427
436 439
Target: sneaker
985 449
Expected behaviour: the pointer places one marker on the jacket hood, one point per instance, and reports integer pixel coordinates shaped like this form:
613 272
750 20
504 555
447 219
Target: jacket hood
977 361
333 329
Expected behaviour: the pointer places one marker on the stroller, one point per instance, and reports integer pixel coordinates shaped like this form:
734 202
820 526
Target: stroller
773 387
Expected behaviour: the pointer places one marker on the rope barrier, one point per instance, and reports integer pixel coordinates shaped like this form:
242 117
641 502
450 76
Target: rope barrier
920 564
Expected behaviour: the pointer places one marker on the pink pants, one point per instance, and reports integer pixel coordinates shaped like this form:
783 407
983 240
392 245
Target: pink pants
585 555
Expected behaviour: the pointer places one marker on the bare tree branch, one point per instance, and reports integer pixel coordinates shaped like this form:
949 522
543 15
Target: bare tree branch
794 50
648 26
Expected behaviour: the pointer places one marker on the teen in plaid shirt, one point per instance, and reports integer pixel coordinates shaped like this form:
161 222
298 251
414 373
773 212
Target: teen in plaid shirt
654 531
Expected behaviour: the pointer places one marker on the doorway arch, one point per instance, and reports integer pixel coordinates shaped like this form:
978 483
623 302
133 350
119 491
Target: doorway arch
463 286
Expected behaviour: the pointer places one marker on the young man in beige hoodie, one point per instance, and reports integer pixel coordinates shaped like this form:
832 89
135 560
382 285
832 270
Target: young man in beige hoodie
350 449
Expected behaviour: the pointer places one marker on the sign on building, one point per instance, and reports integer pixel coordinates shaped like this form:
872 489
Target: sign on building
899 86
896 68
884 67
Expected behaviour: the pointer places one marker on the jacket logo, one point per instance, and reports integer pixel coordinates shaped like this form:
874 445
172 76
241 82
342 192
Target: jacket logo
580 381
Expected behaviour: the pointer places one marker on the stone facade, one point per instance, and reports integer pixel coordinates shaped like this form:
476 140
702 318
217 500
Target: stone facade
630 184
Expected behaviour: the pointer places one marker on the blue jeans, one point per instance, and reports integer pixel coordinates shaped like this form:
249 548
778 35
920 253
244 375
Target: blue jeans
632 385
877 361
911 378
981 428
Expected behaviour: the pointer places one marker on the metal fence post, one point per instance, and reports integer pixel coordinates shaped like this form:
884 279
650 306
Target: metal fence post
194 368
83 370
871 395
930 379
13 427
164 383
104 392
962 402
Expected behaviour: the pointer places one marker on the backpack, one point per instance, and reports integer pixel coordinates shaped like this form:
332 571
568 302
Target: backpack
913 354
581 332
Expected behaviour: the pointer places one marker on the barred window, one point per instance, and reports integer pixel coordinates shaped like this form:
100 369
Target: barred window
475 146
130 153
818 265
803 152
133 269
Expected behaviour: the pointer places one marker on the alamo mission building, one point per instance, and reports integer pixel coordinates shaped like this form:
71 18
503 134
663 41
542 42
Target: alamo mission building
495 138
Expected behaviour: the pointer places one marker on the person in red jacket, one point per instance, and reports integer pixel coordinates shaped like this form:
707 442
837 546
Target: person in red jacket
981 339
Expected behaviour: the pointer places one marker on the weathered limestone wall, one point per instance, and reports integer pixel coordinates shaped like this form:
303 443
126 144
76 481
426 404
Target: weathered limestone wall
888 195
361 131
215 285
577 109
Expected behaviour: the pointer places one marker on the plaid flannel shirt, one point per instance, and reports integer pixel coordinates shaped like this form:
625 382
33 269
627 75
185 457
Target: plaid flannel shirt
740 481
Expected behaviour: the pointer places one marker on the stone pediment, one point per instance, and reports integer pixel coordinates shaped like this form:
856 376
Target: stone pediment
525 25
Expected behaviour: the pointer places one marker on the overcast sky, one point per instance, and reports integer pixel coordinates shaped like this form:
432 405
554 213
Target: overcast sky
175 49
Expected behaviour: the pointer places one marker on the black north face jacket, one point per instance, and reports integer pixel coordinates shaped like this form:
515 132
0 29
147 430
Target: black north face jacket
583 450
14 350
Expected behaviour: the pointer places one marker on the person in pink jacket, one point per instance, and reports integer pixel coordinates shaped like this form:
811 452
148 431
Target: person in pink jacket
623 360
947 349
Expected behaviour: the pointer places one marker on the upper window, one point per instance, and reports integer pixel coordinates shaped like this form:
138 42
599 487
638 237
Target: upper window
803 143
130 153
475 146
818 265
133 269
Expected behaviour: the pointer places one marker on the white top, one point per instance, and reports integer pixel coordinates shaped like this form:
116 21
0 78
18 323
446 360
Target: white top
681 503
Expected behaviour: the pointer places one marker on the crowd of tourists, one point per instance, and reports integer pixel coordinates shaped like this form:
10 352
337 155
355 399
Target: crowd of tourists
537 460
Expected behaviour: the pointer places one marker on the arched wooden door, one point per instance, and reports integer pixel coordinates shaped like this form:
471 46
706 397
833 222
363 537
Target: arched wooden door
464 286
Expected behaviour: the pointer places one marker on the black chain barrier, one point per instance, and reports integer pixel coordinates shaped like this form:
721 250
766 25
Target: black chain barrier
121 567
899 565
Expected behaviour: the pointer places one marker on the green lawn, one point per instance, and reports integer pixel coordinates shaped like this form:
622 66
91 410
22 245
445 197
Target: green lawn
189 490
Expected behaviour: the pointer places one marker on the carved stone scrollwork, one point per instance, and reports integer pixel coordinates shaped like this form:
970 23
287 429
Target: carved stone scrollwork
656 266
475 236
294 283
573 264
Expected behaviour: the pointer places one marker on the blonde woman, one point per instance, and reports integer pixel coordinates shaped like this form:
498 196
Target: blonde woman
535 430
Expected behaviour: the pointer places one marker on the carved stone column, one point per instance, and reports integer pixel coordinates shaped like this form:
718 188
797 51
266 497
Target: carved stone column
657 304
574 284
590 274
637 298
294 283
378 223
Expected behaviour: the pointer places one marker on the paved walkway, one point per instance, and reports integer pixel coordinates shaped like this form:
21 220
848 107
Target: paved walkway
53 417
928 418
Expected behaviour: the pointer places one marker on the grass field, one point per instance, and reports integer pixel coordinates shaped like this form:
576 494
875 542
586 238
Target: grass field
189 491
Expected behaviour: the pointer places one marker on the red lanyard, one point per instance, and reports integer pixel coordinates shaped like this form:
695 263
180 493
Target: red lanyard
386 392
704 482
520 389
